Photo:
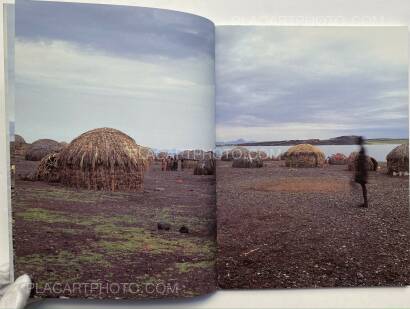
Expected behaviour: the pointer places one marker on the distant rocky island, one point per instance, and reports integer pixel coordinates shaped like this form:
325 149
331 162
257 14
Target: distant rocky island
340 140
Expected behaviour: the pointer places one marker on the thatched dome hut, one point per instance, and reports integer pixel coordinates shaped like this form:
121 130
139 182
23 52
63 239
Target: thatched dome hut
40 148
338 159
371 163
205 167
196 154
102 159
19 140
259 154
235 153
304 155
147 154
47 170
247 162
398 160
161 155
19 146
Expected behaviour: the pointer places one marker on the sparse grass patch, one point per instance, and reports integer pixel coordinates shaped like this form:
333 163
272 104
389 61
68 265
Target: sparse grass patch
71 196
63 266
189 266
132 240
43 215
178 217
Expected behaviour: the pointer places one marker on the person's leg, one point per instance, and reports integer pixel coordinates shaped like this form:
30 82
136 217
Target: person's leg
364 189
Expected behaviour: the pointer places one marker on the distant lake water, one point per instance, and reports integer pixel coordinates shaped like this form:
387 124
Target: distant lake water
379 151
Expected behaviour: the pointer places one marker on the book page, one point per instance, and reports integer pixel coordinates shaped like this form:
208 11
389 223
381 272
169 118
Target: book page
114 193
312 130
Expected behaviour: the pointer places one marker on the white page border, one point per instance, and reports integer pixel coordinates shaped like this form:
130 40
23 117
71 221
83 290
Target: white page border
246 12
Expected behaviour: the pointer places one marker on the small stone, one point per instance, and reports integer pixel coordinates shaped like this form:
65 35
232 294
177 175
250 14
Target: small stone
163 226
184 230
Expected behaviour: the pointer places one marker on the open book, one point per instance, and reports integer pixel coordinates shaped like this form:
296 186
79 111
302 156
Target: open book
158 155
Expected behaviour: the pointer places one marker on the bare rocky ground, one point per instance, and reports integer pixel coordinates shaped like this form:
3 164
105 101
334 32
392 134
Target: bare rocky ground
301 228
70 237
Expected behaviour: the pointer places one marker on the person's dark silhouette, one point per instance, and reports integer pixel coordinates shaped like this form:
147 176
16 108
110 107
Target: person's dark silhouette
361 170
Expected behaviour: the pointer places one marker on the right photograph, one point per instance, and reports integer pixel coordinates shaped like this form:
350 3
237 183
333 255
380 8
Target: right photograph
312 173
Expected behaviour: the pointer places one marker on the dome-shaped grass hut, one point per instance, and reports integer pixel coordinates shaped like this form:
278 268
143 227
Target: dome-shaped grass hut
40 148
398 160
304 155
247 162
371 163
102 159
19 146
338 159
235 153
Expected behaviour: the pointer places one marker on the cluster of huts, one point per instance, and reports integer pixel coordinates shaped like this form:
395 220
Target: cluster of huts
306 155
108 159
100 159
202 162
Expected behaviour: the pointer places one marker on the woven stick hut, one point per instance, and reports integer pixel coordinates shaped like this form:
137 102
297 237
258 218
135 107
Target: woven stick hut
259 154
304 155
235 153
196 154
148 155
398 160
371 163
161 155
338 159
47 170
191 158
247 162
102 159
40 148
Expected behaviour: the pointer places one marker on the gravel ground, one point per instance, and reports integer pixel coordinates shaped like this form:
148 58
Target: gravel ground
300 228
64 237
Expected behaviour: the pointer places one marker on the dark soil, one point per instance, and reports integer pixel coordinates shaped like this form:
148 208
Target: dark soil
301 228
67 239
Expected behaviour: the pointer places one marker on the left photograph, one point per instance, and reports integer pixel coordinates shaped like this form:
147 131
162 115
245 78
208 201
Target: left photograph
113 191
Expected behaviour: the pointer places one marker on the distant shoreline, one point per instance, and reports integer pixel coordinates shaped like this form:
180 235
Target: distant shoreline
343 140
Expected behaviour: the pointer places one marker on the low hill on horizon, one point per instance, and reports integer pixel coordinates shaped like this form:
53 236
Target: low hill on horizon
340 140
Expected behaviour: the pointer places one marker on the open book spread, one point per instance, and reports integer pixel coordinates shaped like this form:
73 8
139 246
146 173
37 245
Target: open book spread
156 155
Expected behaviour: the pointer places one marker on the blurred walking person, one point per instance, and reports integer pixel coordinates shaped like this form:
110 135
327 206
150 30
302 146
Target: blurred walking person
361 173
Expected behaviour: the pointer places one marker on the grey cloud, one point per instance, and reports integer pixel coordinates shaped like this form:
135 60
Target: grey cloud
254 90
121 30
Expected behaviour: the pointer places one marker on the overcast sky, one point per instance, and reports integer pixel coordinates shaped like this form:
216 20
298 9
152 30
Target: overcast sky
147 72
278 83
